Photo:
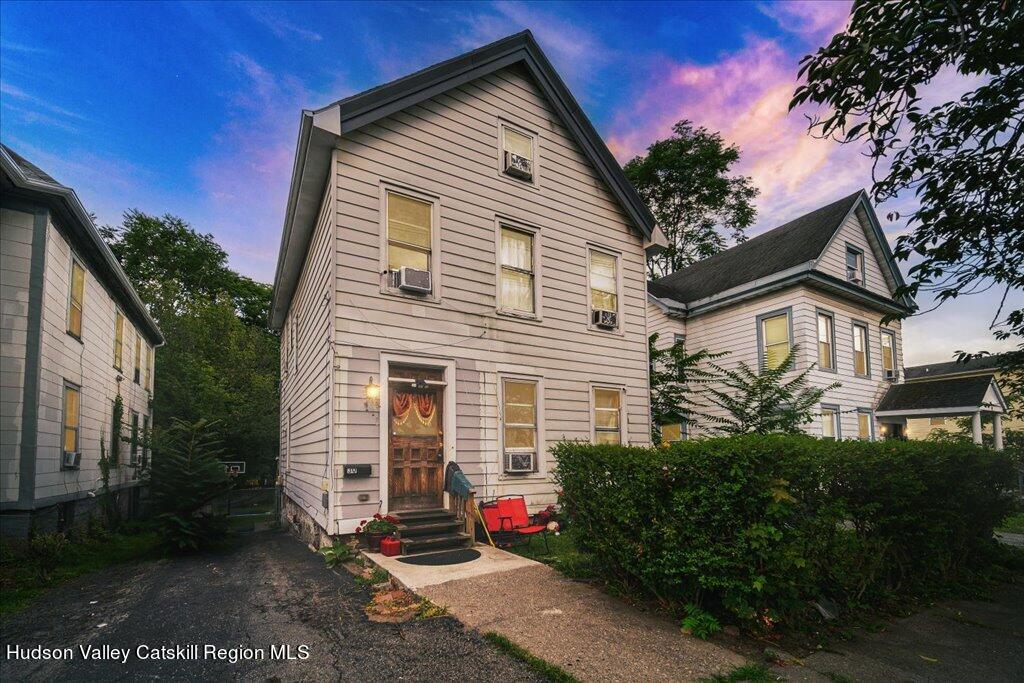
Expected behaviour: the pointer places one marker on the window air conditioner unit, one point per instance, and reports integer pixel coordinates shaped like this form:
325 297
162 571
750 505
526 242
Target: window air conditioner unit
520 463
520 167
412 280
608 320
890 374
72 460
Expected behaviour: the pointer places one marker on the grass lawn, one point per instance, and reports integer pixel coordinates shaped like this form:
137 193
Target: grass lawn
563 555
27 568
1013 524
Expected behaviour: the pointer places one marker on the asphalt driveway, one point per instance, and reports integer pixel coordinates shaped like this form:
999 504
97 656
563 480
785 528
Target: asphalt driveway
267 591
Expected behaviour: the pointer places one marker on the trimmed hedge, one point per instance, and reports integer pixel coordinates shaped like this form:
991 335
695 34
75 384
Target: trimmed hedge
761 526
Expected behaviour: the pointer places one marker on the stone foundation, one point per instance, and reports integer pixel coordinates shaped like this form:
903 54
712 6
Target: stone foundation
299 523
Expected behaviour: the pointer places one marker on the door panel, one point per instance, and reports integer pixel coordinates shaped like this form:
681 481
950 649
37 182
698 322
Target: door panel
415 440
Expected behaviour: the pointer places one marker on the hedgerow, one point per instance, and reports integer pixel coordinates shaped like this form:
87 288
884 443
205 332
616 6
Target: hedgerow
764 527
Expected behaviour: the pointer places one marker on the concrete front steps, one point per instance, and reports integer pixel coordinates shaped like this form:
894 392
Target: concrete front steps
423 531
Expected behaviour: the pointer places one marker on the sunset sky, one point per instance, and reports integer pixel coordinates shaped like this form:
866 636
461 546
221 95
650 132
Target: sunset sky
193 109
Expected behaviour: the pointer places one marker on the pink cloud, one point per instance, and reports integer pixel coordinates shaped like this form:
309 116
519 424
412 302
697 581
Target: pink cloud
815 21
745 96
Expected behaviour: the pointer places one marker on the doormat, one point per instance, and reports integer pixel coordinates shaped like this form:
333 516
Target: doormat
441 559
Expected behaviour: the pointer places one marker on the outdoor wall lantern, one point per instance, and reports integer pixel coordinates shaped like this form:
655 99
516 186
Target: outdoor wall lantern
372 395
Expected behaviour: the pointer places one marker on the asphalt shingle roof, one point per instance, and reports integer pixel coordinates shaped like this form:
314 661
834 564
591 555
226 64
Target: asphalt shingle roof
796 242
28 168
955 392
990 363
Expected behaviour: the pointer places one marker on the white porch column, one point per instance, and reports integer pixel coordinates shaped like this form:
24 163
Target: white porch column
976 427
997 430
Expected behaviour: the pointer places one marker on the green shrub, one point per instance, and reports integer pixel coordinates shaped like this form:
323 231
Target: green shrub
761 526
46 552
338 553
700 623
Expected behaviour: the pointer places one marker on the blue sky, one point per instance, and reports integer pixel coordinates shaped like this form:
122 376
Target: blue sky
193 108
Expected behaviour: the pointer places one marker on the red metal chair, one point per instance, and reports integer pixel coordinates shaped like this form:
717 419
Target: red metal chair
512 515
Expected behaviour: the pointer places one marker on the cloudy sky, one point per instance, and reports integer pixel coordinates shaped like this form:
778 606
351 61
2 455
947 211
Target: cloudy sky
193 108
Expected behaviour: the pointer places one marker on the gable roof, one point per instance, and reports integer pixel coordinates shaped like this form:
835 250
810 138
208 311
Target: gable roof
955 393
790 249
320 129
25 180
981 364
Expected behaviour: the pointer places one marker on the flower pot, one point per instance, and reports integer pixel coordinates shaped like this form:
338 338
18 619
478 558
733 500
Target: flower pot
373 541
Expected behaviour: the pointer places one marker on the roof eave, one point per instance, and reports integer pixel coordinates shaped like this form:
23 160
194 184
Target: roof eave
66 201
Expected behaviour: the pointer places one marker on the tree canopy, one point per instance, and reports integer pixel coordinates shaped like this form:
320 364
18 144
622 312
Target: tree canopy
960 158
220 362
686 183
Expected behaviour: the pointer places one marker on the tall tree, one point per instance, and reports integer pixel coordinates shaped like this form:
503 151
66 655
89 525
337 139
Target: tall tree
686 183
960 158
220 362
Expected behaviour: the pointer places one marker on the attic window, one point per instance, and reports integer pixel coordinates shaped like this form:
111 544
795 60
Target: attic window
517 154
854 265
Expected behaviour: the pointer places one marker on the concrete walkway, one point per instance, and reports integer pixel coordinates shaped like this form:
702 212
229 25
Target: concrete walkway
591 635
415 577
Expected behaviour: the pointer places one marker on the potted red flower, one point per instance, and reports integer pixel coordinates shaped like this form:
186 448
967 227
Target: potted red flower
377 528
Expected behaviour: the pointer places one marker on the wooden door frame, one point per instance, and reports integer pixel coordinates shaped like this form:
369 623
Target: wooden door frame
447 368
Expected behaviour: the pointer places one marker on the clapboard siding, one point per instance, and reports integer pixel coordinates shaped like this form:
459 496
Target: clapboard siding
306 381
833 260
87 363
734 330
659 323
447 147
15 268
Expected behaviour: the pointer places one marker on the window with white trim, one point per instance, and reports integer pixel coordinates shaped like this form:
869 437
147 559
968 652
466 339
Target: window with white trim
118 340
149 367
607 415
673 433
134 453
138 358
519 425
517 293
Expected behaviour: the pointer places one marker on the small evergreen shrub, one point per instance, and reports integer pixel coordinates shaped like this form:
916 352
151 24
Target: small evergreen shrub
761 526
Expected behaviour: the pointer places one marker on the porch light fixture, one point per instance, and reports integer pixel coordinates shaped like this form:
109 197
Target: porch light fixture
372 395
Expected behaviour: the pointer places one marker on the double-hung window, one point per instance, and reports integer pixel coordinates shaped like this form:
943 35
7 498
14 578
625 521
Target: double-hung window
149 367
888 354
410 227
861 360
607 415
865 430
604 287
517 154
519 429
118 340
829 422
854 265
517 271
145 440
76 300
72 417
673 433
826 341
775 339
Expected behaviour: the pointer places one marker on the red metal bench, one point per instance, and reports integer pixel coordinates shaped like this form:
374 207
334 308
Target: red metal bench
508 522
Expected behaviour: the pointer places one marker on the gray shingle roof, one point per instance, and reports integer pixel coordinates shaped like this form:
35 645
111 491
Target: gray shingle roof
28 168
796 242
990 363
937 394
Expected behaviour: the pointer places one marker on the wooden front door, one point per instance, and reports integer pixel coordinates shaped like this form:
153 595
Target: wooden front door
415 439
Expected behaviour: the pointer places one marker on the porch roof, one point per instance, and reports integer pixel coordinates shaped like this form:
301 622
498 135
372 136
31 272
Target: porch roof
953 396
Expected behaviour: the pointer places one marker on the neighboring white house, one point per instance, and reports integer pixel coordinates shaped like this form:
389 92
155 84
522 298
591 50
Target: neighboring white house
74 336
823 282
461 279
